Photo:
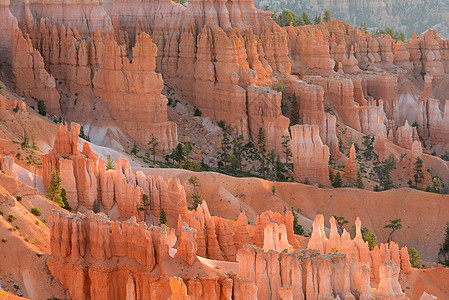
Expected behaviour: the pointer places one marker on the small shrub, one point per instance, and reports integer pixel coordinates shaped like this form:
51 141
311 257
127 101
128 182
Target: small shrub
11 218
38 222
274 189
16 109
414 258
36 211
18 155
17 227
2 212
141 208
197 113
18 198
4 240
222 124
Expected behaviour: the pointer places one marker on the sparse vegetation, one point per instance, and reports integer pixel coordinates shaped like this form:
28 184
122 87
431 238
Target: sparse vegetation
273 189
11 218
367 236
36 211
4 240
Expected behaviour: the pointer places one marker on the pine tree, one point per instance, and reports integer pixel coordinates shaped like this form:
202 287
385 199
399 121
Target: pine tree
163 218
41 108
54 188
83 135
394 225
367 236
261 140
110 165
327 16
225 149
318 20
306 18
359 182
286 145
443 254
301 22
153 143
338 181
196 196
418 175
294 118
297 228
135 149
66 204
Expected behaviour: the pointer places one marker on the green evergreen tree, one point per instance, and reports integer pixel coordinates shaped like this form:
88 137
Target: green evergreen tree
394 225
414 258
286 145
301 22
196 196
163 218
83 135
297 228
66 204
286 18
367 236
306 18
110 165
135 149
443 254
261 140
327 16
294 119
225 149
41 108
418 175
54 188
318 20
338 181
359 183
153 143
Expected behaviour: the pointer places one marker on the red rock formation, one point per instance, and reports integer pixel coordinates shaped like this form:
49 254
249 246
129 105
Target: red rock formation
310 156
135 83
187 245
127 260
85 179
308 274
351 169
25 63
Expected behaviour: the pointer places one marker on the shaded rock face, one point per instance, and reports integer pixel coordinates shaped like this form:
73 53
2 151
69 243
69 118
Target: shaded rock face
310 156
88 183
